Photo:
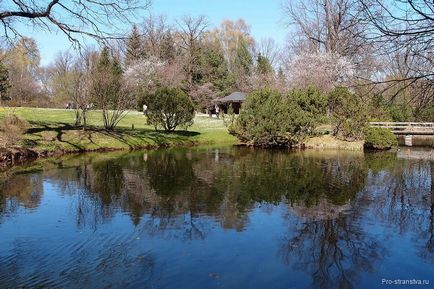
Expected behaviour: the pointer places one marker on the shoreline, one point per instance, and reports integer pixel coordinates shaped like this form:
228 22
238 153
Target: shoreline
15 156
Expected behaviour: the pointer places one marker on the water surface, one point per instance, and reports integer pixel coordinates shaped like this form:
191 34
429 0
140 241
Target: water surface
218 218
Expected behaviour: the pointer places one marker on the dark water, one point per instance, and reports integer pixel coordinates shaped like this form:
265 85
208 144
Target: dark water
218 218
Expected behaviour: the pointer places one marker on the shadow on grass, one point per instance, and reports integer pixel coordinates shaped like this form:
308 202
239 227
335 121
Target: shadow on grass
134 139
140 138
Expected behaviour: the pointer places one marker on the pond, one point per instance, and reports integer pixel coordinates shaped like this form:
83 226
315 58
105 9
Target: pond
218 218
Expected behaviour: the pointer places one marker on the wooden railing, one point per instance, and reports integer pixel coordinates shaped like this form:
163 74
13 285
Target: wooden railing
407 128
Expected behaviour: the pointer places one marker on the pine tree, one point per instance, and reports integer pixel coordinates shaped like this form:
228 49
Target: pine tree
135 50
214 69
263 65
4 81
167 47
243 60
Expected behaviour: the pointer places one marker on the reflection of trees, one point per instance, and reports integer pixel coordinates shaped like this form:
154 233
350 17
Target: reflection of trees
403 200
325 238
334 251
182 195
20 190
337 248
261 176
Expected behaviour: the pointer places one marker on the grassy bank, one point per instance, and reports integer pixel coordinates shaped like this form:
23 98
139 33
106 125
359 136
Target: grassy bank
52 130
330 142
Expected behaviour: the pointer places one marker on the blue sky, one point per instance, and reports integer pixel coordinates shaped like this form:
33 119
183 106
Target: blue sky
264 16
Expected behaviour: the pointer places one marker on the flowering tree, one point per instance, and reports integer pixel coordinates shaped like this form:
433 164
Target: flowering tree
148 74
323 70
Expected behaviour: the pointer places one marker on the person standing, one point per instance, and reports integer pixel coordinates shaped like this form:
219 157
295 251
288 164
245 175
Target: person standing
217 111
145 109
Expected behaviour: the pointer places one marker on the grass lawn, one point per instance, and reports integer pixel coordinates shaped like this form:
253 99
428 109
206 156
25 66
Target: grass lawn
52 130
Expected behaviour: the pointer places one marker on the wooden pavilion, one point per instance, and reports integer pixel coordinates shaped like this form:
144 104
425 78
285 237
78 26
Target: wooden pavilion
234 99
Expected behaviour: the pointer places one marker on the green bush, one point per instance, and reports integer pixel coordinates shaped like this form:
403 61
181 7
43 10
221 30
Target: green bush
349 114
380 138
169 108
425 114
269 119
399 112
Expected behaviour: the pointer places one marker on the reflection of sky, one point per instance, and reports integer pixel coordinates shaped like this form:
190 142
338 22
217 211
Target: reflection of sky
265 18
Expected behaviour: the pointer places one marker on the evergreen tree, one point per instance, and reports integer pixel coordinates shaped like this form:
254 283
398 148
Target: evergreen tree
263 65
4 81
214 70
243 60
167 47
135 50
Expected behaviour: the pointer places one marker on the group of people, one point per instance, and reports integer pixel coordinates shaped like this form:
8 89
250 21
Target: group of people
73 106
215 109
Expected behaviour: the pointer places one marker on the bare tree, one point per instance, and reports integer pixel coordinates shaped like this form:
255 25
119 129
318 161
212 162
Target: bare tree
108 90
268 48
330 26
93 18
22 61
403 31
230 36
81 85
69 82
155 29
192 30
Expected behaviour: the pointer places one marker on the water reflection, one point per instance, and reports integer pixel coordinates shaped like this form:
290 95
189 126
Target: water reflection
333 213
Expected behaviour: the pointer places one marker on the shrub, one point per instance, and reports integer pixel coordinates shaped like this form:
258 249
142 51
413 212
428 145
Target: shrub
380 138
12 129
399 112
169 108
269 119
349 115
426 114
229 117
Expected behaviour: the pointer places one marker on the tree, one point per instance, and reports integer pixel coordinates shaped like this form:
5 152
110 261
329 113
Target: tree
213 78
268 48
147 75
191 34
270 119
349 114
230 36
331 27
60 77
263 65
4 82
322 70
404 34
81 81
107 90
93 18
243 66
134 47
203 95
157 37
22 61
169 108
167 47
69 82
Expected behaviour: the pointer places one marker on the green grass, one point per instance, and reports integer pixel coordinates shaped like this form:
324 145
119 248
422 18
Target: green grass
52 130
